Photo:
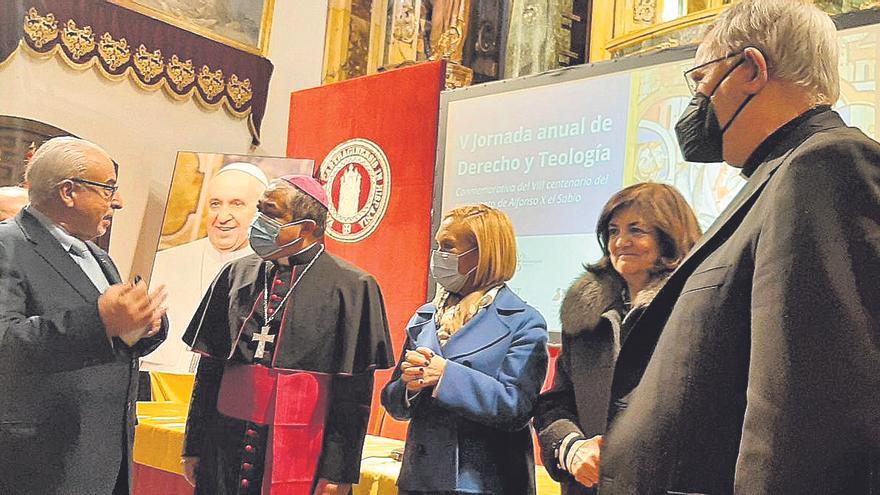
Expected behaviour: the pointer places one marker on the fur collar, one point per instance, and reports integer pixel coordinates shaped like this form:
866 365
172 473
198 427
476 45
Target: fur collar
595 293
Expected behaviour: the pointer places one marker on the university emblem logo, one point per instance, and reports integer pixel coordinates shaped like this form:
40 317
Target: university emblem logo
357 178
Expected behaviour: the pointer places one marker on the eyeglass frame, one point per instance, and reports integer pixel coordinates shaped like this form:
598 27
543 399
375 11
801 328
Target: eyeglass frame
688 81
113 188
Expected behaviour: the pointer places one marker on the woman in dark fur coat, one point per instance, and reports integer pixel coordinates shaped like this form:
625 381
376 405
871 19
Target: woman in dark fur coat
644 231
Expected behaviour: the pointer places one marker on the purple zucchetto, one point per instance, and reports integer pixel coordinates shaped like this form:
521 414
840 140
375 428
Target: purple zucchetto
308 185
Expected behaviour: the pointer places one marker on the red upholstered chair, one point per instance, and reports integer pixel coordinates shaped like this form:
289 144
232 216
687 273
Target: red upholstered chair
392 428
551 372
377 412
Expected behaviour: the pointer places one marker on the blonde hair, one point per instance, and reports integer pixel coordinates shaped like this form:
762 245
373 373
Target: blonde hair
797 38
491 230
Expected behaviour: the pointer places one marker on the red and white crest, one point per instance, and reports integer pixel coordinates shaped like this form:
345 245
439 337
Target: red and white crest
357 178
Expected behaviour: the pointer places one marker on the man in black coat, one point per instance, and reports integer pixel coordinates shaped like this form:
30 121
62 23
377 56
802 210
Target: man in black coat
70 332
765 370
295 327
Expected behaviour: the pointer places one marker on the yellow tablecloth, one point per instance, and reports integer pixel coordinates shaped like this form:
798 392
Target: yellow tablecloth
176 387
379 471
158 442
158 437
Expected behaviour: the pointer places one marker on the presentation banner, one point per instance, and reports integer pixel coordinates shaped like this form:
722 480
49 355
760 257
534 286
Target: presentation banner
549 155
551 149
374 143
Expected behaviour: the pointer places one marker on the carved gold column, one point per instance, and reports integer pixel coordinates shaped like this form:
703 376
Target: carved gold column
353 43
336 40
403 33
601 29
378 21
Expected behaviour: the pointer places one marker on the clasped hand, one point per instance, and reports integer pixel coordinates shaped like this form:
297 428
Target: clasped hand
584 465
421 369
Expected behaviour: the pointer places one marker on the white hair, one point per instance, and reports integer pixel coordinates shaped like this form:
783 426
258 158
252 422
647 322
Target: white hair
798 40
57 159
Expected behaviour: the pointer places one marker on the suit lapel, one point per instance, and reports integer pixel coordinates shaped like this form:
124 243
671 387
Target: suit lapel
733 215
51 251
650 324
730 218
423 331
486 328
106 264
661 307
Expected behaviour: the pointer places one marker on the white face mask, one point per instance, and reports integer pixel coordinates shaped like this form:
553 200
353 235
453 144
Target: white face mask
444 269
263 236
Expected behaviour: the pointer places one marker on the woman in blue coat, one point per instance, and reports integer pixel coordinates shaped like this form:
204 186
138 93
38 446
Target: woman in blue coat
472 367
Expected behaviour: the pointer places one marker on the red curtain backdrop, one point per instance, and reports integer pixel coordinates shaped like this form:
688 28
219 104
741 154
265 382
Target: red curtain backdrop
398 111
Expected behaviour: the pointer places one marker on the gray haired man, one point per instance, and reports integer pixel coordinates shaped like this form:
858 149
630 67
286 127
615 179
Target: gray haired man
70 332
763 348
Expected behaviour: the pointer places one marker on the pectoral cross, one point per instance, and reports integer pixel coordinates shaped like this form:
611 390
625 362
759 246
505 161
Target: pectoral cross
262 339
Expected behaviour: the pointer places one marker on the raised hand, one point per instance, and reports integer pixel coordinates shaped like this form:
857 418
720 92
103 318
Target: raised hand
130 312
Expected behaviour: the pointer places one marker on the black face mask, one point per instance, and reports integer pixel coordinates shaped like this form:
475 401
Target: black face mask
699 134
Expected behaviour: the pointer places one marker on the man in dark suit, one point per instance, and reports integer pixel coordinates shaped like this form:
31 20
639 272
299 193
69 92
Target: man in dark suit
70 332
764 345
